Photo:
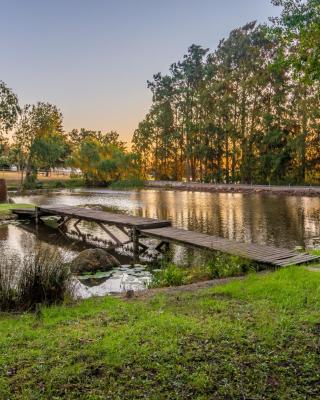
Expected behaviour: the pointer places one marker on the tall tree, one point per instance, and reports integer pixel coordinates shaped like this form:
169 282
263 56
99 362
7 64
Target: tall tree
39 126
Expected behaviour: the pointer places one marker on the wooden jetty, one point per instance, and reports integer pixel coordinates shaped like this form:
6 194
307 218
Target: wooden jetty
138 227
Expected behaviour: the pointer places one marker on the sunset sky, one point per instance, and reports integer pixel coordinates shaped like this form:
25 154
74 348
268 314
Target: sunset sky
92 58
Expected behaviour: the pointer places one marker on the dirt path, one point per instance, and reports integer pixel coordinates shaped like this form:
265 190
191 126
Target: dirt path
146 294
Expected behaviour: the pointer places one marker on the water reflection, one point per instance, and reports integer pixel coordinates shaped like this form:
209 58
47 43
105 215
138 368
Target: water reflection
121 279
22 238
284 221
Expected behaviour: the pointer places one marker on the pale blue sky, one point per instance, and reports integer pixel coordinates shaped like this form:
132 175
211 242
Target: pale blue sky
92 58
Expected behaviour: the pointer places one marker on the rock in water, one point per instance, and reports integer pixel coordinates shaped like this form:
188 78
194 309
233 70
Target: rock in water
93 260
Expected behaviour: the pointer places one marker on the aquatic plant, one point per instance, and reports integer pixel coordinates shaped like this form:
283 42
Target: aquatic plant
40 277
8 293
224 265
217 265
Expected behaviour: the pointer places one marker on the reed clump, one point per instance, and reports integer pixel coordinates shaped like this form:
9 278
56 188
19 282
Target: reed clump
38 278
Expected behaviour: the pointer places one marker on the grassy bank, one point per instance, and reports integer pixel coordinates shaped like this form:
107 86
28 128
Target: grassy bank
53 181
13 178
257 338
7 207
62 184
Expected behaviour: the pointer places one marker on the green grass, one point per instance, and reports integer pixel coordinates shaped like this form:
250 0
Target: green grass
5 209
251 339
49 184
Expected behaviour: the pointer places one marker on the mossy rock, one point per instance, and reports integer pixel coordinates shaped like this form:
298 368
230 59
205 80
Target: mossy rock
93 260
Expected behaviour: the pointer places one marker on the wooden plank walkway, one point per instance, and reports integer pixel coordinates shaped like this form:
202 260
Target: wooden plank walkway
103 217
260 253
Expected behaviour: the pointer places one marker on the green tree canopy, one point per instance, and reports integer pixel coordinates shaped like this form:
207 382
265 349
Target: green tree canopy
9 108
39 136
102 162
246 112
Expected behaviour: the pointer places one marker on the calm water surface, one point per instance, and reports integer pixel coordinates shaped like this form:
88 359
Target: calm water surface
283 221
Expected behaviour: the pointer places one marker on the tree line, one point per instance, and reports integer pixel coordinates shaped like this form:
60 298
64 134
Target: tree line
248 112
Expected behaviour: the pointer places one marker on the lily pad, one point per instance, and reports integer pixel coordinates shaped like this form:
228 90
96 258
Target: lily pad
97 275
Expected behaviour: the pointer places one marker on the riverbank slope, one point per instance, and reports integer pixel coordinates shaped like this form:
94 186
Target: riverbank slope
236 188
255 338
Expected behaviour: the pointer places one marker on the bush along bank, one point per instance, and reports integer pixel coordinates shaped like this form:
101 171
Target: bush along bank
215 266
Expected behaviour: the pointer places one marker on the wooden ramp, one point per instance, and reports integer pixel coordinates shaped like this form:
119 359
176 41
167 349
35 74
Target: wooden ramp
263 254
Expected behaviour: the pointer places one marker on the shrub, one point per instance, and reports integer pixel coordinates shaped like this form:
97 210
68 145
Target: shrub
170 275
56 184
74 182
31 183
219 265
223 265
127 184
37 278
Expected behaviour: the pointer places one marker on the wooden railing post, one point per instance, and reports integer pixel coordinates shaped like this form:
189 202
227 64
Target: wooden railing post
135 241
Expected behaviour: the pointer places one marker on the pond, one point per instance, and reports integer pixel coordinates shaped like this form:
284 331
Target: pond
283 221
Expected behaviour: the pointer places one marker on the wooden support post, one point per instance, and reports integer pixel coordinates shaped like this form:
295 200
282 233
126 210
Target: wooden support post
125 230
36 216
107 231
162 244
78 230
62 225
135 241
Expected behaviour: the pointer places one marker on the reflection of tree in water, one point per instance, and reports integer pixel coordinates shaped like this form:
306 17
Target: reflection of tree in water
3 232
285 221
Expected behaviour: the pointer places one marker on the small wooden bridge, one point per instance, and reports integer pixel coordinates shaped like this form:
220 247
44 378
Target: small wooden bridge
138 227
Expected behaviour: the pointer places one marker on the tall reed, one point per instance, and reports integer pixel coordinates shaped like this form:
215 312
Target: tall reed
39 277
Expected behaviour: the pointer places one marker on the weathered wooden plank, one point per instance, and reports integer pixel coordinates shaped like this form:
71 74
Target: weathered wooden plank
266 254
26 212
104 217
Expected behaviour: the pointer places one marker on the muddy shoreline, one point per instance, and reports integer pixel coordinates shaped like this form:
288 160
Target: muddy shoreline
303 191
